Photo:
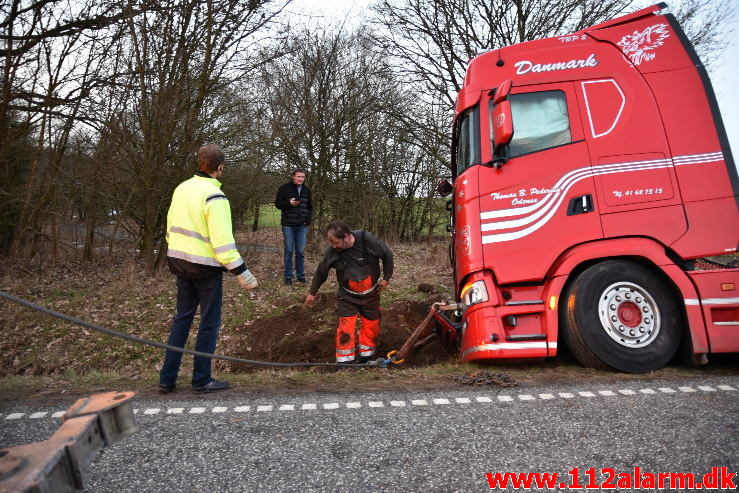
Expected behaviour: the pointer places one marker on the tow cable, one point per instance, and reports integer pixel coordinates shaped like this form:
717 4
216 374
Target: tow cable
378 363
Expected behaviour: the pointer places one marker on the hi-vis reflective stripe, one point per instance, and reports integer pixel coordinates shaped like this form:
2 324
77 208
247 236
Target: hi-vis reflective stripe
530 218
225 248
216 196
713 301
190 233
195 259
508 346
232 265
365 351
204 239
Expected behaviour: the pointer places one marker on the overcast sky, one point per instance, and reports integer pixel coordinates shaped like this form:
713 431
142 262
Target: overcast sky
726 85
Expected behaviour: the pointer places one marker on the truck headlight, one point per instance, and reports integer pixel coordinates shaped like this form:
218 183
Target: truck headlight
472 294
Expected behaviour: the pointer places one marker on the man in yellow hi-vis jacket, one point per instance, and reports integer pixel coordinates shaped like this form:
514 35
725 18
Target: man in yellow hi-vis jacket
201 248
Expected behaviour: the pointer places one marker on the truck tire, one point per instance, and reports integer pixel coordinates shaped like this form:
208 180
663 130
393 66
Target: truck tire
618 315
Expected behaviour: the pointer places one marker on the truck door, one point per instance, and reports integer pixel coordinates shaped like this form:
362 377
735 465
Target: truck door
465 252
542 200
632 166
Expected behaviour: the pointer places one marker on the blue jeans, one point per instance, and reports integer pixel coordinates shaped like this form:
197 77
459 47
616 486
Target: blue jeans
191 293
294 241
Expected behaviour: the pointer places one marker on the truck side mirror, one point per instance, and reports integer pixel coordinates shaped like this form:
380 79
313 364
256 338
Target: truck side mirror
502 130
501 93
444 188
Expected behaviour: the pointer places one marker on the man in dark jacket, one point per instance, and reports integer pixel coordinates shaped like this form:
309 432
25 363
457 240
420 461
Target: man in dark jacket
356 256
294 200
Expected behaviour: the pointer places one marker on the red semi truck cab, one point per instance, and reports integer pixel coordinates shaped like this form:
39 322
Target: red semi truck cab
590 174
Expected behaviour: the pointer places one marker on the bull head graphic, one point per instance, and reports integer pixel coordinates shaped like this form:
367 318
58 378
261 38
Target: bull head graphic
640 46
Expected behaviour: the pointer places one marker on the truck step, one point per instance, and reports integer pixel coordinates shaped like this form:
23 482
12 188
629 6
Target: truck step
527 337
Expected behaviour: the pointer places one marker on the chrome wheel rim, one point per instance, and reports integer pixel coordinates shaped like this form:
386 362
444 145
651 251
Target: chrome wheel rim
629 315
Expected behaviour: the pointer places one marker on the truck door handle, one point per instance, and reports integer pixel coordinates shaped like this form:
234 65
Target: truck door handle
580 205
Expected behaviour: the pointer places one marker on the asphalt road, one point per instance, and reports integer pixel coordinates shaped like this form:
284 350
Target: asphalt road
442 440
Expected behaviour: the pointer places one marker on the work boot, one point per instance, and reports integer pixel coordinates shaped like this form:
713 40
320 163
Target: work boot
288 281
166 389
364 359
212 386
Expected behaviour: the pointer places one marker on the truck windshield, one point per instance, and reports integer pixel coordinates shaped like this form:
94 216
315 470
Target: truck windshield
468 139
540 121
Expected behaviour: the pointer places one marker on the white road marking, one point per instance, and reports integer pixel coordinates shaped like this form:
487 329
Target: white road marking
440 401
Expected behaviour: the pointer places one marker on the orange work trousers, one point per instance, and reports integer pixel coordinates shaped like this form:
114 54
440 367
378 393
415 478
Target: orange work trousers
368 310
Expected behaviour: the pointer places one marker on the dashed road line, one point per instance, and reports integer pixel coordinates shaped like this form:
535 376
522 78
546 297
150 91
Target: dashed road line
440 401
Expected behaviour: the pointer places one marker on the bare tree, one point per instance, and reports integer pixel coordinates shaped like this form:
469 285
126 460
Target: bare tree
319 95
706 26
136 84
432 40
337 109
52 53
181 56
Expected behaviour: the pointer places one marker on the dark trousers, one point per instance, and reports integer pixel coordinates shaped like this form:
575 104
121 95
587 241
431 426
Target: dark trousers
191 293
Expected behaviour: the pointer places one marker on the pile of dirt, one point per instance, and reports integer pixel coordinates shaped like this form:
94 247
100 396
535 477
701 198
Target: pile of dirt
300 335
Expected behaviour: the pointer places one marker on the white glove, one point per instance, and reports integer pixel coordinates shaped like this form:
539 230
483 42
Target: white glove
247 280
